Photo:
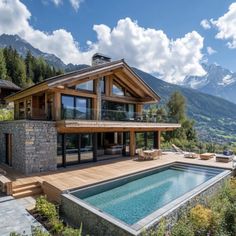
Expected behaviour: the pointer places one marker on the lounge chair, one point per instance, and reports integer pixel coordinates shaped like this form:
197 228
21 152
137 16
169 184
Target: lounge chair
186 154
224 158
207 156
191 155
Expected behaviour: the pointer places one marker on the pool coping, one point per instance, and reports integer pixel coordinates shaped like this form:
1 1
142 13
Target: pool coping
145 223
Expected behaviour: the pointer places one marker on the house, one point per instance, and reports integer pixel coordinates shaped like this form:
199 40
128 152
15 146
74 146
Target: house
6 89
83 116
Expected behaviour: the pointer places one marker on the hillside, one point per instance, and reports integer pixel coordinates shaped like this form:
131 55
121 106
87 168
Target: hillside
218 81
215 117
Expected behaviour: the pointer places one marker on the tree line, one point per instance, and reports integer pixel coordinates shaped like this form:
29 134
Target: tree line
24 72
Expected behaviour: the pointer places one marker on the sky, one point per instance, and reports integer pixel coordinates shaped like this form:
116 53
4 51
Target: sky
168 38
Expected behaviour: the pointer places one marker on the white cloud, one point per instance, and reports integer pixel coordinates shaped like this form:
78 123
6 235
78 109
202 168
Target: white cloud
151 49
205 24
75 4
57 2
211 51
226 26
145 48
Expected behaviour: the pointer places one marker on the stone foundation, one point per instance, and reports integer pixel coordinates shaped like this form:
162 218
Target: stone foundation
34 145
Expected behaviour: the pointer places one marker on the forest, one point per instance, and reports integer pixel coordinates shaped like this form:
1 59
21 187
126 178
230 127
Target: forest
24 72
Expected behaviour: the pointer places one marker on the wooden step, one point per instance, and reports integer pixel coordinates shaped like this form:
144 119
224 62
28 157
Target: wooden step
25 187
16 185
27 193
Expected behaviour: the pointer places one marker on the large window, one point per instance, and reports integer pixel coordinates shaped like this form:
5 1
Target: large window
76 107
67 104
118 89
117 111
85 86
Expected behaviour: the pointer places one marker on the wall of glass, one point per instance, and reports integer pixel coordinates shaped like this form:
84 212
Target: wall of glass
73 107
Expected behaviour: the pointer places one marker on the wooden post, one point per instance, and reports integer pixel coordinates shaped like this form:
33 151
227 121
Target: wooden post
157 139
57 106
132 144
95 146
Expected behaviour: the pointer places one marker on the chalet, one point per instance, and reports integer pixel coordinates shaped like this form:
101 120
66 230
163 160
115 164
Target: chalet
83 116
7 88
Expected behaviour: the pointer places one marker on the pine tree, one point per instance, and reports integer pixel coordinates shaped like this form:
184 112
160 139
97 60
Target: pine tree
3 69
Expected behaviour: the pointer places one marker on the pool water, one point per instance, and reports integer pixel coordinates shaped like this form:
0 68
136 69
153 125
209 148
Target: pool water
138 198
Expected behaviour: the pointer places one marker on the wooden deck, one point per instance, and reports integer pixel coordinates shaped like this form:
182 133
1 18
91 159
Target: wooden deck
56 182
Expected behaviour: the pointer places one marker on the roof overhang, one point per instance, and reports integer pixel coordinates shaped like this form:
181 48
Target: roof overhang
94 72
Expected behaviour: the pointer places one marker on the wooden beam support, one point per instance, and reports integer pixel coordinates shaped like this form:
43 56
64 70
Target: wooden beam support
132 144
57 106
74 92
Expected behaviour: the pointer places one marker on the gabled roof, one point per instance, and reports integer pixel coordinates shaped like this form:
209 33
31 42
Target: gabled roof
86 72
8 85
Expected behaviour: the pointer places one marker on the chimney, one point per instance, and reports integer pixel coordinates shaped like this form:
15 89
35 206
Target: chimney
99 58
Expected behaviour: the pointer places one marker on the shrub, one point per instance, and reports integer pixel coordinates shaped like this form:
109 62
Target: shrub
45 208
201 219
68 231
56 225
182 228
230 219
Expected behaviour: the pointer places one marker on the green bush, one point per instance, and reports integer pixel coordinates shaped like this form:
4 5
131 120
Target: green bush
68 231
46 209
182 228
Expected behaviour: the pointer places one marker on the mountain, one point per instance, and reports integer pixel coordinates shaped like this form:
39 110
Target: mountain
23 47
215 117
218 81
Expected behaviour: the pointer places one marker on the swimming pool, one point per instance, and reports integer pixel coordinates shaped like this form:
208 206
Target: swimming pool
136 200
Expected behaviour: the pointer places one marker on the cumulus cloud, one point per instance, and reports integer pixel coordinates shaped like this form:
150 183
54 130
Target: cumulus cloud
205 24
226 26
151 49
145 48
211 51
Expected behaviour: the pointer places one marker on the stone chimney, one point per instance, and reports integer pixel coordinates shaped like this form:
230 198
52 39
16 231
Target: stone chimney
99 58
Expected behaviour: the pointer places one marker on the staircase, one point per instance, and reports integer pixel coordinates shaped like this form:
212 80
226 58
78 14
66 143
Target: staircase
26 190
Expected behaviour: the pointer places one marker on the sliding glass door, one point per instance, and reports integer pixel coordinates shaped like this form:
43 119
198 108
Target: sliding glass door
75 149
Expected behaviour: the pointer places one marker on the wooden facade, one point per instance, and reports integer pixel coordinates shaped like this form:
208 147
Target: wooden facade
101 99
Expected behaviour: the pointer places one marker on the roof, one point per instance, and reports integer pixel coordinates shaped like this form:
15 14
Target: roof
8 85
89 71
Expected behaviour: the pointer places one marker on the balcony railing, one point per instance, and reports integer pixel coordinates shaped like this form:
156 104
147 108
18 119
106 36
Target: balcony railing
114 115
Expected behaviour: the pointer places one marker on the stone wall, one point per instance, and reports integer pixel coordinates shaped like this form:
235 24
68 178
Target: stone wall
34 145
76 212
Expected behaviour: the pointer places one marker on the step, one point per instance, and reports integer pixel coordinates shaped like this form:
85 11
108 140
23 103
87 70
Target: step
27 193
24 188
15 185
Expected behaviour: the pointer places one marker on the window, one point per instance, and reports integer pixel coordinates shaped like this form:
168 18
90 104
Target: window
118 89
85 86
102 85
82 108
67 104
76 107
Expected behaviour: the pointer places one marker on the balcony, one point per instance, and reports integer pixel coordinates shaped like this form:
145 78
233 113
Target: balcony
111 120
83 114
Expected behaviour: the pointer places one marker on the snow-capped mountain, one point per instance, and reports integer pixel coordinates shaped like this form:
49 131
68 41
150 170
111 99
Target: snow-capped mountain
218 81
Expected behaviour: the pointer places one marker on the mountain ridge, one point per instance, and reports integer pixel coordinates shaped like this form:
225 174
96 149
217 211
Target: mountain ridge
214 116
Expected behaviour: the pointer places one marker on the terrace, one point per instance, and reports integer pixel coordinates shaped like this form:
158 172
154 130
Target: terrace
54 183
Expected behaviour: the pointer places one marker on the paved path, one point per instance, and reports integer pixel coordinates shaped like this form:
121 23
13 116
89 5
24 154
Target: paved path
14 217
